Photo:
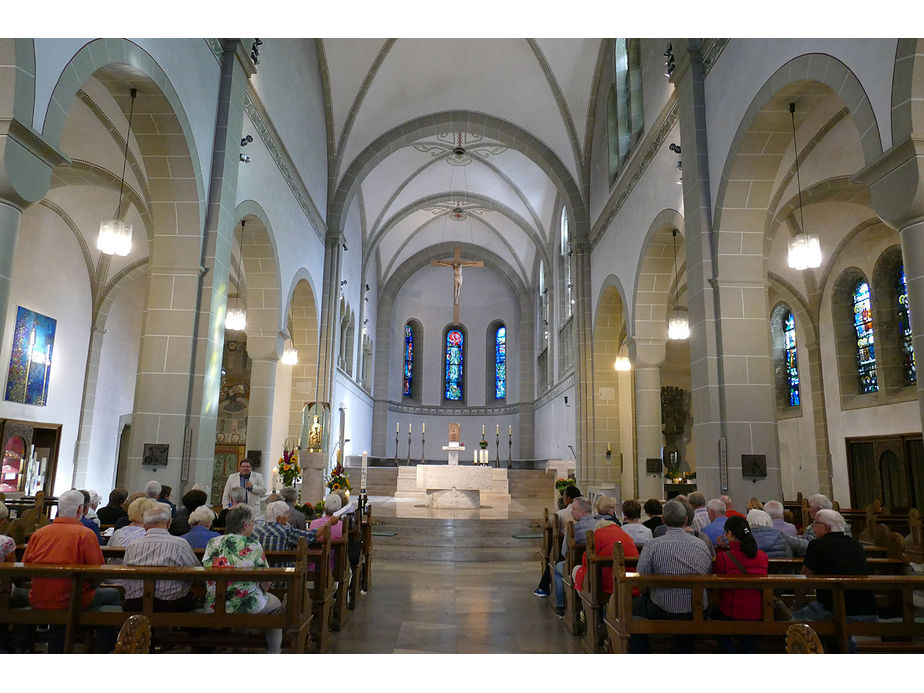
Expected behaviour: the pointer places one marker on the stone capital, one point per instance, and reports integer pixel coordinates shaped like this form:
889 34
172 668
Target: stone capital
896 183
647 353
28 160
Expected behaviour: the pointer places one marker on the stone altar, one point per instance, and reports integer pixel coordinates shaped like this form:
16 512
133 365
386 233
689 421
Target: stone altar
455 486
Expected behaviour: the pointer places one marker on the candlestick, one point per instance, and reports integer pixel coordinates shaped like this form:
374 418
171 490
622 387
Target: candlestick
362 480
497 446
422 440
482 429
510 430
396 448
497 429
408 462
423 427
409 428
509 450
397 427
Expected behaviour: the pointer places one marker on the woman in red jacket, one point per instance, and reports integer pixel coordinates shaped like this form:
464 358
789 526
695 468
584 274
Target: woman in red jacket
740 558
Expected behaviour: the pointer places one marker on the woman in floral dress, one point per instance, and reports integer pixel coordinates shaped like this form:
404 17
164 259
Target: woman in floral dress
236 549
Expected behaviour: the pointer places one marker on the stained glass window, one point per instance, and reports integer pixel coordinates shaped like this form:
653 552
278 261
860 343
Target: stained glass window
454 354
792 365
500 363
904 325
866 352
408 360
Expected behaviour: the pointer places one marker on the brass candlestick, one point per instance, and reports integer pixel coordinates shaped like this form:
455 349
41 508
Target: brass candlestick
422 441
408 449
497 449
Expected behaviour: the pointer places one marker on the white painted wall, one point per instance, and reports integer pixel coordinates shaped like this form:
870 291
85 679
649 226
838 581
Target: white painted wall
555 423
358 421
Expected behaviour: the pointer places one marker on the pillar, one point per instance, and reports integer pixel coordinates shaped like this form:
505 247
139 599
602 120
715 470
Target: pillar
647 357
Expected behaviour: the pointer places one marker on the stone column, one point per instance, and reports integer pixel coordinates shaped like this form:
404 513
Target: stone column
647 357
10 219
583 362
733 405
896 182
264 355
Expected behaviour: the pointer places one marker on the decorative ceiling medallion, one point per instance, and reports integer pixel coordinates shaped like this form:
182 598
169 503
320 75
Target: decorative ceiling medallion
456 210
457 147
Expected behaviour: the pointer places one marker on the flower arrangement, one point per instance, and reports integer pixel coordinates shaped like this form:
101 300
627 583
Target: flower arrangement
562 484
337 480
483 444
287 467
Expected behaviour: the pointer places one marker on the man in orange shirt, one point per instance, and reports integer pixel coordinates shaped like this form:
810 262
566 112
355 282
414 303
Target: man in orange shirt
67 542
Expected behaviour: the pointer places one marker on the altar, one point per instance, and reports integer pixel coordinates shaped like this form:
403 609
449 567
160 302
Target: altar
454 486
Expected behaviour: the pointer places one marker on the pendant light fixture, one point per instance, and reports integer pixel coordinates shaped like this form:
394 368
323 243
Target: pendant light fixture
678 325
236 317
804 248
622 363
115 236
289 353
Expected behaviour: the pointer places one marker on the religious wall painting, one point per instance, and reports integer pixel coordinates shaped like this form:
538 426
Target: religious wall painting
234 393
455 350
30 358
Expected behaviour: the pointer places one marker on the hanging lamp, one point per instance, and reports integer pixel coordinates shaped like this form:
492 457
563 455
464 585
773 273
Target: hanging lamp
115 236
678 324
804 248
289 353
622 363
236 317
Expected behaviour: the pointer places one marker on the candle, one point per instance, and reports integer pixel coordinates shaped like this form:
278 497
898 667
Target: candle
362 483
482 429
409 428
423 427
397 427
510 430
497 430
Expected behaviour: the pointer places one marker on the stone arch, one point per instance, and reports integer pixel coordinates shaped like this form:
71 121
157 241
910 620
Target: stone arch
655 276
845 336
889 356
490 370
478 123
304 329
907 110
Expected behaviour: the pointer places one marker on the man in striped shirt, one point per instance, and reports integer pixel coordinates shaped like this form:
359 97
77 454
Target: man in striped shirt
160 548
677 552
277 534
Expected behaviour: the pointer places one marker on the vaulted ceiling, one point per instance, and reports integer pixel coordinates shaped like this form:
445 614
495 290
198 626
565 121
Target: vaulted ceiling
486 189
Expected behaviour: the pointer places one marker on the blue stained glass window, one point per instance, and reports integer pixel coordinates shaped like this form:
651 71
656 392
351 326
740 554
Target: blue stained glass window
904 326
500 363
792 359
866 351
454 354
408 360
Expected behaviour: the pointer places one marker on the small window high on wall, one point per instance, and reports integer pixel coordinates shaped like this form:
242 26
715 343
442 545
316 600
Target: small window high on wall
866 348
909 369
791 359
454 389
500 363
567 294
413 365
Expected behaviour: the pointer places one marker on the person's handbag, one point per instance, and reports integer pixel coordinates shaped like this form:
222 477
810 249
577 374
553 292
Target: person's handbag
781 612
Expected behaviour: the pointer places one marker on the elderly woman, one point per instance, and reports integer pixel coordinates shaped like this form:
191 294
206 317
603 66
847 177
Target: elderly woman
605 508
237 549
127 534
199 533
772 541
191 500
123 520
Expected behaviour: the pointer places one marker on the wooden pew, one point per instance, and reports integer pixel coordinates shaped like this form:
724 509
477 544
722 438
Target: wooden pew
574 614
620 623
545 542
594 598
914 544
356 538
196 628
555 551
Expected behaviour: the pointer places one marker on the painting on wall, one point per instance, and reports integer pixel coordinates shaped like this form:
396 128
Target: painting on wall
30 358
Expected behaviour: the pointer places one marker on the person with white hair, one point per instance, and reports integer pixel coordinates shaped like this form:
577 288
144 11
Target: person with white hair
238 549
716 528
276 534
772 541
297 518
152 489
94 504
135 528
815 503
776 511
199 533
67 542
583 517
160 548
832 552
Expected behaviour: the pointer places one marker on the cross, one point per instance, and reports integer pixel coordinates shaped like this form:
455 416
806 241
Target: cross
457 263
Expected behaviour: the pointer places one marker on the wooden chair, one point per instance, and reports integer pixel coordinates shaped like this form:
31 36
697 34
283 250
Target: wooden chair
135 636
801 639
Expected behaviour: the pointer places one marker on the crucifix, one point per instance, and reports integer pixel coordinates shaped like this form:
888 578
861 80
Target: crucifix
457 263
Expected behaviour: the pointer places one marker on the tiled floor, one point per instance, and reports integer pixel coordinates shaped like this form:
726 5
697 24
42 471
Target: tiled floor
445 607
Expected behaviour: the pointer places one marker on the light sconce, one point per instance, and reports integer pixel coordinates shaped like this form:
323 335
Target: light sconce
289 354
247 139
804 248
343 282
245 158
115 236
236 317
678 324
622 363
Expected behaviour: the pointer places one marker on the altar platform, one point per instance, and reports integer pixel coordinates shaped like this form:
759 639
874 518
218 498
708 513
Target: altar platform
453 486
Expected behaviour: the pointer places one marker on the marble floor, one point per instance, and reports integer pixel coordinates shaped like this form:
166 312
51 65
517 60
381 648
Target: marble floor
518 508
454 607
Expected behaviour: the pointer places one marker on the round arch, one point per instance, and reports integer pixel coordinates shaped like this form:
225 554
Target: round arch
654 276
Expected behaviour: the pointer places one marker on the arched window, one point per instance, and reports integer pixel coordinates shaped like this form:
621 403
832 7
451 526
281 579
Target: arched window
500 363
567 281
791 359
408 389
909 369
624 105
454 390
866 352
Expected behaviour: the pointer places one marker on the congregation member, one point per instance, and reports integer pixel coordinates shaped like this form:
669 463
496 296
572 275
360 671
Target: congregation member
276 534
772 541
700 515
250 481
110 513
7 544
582 516
716 528
164 497
199 533
776 512
606 535
86 521
707 542
676 553
741 557
191 500
152 489
238 549
91 510
605 509
564 515
729 507
122 521
236 496
135 528
67 542
632 522
297 518
755 504
159 548
653 508
820 502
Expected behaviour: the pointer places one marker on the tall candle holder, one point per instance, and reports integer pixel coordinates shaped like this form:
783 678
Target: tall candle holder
509 448
422 441
497 449
408 462
396 448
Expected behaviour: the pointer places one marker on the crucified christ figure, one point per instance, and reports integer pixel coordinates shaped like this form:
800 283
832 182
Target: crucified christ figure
457 263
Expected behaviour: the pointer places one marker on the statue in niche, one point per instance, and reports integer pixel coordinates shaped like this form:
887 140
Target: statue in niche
314 436
675 408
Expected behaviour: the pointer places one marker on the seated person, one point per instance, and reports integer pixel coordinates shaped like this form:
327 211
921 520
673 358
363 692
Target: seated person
632 522
135 529
605 509
159 548
815 503
164 497
87 521
277 535
237 549
122 521
741 557
297 518
606 535
199 533
717 515
191 500
110 513
652 508
236 497
584 522
67 542
776 512
564 514
772 541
